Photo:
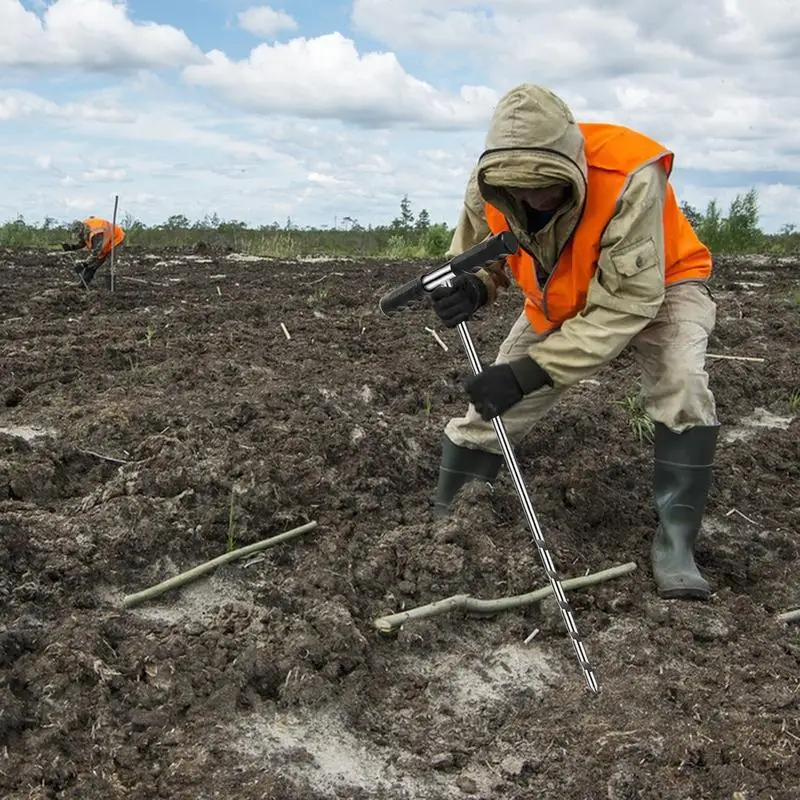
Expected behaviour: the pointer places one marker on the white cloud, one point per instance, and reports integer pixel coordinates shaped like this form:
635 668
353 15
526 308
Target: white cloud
326 77
712 83
265 21
176 123
88 34
80 203
20 104
103 175
325 180
418 25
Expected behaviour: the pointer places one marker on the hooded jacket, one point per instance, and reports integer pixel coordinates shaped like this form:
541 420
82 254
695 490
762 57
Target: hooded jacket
608 238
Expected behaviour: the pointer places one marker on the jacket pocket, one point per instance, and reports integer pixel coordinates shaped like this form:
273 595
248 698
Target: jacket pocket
634 258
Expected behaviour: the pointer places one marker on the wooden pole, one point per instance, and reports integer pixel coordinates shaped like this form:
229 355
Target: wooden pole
113 240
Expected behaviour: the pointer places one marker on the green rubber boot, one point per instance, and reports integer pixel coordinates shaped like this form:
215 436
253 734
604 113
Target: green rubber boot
681 480
458 466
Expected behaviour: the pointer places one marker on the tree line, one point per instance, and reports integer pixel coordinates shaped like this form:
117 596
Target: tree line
408 235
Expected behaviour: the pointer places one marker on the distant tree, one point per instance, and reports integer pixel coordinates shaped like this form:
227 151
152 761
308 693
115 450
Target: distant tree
738 232
351 224
692 214
177 222
210 222
436 240
131 225
423 221
405 222
232 225
741 225
710 228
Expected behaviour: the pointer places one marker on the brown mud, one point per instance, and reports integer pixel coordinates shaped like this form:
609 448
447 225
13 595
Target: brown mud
128 421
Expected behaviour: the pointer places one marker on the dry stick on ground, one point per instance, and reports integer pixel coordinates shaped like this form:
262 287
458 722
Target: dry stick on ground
736 511
735 358
391 622
201 569
324 278
436 336
790 616
104 457
141 280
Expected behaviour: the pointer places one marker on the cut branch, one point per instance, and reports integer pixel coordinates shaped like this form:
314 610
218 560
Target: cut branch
735 358
465 602
201 569
790 616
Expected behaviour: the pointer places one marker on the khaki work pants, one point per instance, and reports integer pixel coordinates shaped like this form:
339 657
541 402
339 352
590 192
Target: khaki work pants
670 353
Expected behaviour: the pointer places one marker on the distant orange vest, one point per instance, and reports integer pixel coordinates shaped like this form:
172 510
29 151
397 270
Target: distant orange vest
612 153
96 225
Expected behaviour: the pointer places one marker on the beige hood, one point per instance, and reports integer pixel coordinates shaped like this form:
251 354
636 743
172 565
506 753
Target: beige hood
534 141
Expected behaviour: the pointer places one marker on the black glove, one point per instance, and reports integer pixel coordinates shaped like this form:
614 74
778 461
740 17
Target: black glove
501 386
459 301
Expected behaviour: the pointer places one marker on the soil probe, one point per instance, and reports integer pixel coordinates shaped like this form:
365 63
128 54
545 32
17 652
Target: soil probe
414 292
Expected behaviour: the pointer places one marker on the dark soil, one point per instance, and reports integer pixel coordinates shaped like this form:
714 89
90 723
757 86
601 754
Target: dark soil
130 419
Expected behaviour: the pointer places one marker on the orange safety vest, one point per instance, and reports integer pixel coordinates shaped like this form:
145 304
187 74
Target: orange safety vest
612 153
96 225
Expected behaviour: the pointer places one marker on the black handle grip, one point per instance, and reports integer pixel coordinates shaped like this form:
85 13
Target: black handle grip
503 244
414 291
402 297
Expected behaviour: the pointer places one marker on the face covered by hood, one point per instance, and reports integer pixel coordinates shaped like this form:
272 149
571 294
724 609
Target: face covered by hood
534 142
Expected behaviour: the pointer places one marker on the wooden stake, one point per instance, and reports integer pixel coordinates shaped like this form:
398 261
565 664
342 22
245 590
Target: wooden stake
201 569
285 332
113 239
391 622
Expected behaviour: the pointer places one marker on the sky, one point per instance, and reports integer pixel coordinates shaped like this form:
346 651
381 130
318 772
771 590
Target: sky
319 110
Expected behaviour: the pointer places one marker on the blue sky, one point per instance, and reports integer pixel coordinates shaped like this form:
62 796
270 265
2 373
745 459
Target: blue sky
319 109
